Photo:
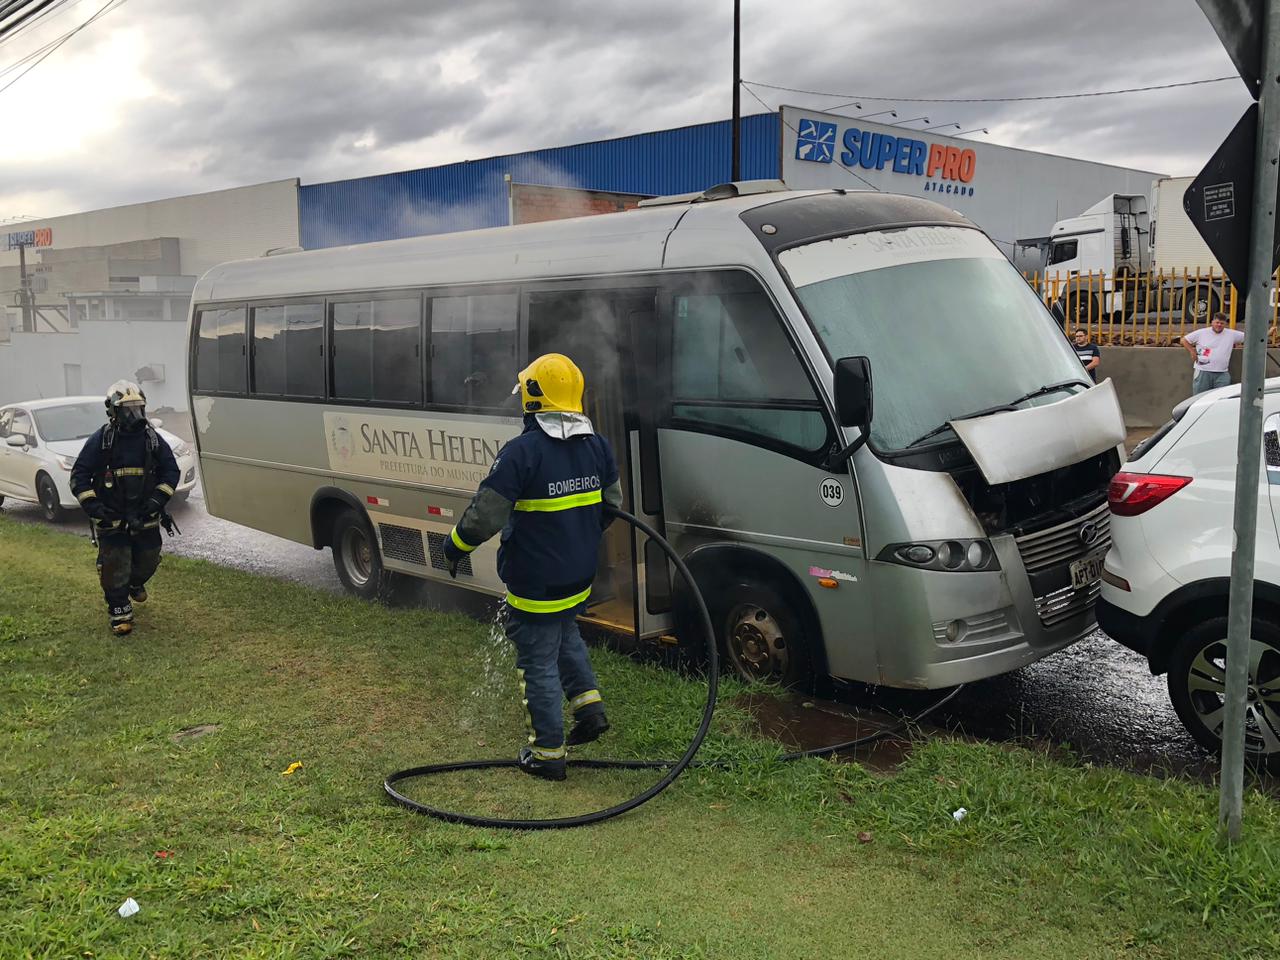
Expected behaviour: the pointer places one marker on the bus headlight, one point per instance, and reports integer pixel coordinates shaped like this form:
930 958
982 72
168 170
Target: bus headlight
952 556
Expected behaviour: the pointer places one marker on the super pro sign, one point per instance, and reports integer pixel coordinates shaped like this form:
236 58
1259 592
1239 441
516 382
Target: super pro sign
948 169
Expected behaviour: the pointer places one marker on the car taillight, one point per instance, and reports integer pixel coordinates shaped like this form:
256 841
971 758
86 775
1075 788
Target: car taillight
1133 493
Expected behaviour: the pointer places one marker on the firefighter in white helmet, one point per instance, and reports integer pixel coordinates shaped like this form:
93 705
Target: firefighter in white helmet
123 477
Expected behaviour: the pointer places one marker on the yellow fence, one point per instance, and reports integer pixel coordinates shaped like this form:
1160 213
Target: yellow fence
1143 309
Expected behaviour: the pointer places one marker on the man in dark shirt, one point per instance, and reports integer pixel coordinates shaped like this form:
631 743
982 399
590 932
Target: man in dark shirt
123 477
1088 352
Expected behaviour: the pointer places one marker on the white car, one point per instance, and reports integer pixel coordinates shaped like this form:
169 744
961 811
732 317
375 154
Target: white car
39 443
1165 579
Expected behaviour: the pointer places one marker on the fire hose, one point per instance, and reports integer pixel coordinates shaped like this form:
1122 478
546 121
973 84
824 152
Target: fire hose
673 768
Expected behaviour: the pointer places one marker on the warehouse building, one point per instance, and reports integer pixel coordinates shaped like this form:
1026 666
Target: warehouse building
90 297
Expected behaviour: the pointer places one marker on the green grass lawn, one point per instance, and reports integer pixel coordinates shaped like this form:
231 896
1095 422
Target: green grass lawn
762 860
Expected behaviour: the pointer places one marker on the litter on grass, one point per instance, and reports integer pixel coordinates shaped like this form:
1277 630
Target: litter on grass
296 765
128 908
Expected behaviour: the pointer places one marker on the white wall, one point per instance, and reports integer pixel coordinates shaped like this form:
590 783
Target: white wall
211 227
31 364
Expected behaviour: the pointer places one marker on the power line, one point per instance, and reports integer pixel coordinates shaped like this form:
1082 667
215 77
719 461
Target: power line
848 170
45 16
1057 96
48 15
108 7
30 11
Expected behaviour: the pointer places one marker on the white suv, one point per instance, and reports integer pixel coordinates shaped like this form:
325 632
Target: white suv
39 443
1164 583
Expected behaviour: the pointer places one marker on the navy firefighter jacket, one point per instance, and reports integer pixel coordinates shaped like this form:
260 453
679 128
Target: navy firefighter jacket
546 495
123 471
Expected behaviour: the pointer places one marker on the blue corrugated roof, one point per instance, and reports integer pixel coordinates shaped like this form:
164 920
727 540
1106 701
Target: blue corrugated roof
463 196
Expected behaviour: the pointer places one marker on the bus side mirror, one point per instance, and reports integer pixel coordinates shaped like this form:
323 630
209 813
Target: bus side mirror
853 392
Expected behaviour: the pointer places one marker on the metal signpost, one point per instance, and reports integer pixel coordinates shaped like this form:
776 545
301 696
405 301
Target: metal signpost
1228 202
735 136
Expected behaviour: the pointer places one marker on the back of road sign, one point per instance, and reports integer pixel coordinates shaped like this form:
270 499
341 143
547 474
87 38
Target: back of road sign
1219 201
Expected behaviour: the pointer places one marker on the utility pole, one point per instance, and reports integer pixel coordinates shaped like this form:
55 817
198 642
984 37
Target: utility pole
1232 203
24 292
735 166
1240 694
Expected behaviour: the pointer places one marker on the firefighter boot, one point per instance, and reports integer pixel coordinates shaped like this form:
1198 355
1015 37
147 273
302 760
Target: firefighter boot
121 619
548 768
587 729
138 594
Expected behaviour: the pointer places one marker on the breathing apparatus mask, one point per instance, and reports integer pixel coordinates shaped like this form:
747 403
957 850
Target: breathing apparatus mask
127 406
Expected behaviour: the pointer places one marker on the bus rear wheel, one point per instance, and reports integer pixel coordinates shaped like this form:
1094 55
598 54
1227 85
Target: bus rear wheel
356 556
762 637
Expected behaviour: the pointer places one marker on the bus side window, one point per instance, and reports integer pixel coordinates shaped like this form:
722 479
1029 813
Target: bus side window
473 350
734 368
220 350
287 360
376 350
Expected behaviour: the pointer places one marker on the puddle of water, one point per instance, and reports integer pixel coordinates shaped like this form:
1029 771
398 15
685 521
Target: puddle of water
805 724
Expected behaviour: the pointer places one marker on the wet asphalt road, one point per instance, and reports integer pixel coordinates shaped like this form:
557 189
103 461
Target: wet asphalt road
1096 699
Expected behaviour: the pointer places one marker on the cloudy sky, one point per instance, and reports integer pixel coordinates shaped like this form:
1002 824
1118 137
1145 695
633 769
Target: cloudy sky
165 97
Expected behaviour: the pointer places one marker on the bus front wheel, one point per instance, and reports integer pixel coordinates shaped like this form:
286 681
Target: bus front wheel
356 556
762 637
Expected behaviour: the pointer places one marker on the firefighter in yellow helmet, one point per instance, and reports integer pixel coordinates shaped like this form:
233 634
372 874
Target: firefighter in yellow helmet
123 477
546 492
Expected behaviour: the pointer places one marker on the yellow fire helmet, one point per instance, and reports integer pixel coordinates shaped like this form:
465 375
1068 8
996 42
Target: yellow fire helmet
552 383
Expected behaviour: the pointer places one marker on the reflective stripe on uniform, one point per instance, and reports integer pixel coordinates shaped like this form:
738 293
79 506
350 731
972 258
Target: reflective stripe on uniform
547 606
165 488
549 753
553 504
130 471
584 700
84 495
459 542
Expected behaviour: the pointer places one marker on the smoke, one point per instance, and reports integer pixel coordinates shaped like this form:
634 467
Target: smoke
419 202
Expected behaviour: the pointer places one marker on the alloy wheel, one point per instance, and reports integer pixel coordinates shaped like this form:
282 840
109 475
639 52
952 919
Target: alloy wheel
1207 683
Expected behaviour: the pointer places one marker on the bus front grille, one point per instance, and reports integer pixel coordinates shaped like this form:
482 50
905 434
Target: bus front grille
1063 604
1047 556
435 541
402 543
1064 543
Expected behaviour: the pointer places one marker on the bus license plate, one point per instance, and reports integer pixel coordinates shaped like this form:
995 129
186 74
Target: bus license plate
1087 571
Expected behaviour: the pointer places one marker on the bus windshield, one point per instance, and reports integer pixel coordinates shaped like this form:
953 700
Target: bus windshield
949 325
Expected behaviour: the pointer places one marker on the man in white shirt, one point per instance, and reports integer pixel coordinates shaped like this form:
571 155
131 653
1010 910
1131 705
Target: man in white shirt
1210 348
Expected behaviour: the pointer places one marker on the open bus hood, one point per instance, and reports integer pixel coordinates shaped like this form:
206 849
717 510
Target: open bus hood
1023 443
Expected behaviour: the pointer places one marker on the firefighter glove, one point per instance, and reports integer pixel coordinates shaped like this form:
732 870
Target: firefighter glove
452 557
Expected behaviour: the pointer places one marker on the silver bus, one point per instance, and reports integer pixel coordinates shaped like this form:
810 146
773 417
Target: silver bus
847 411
